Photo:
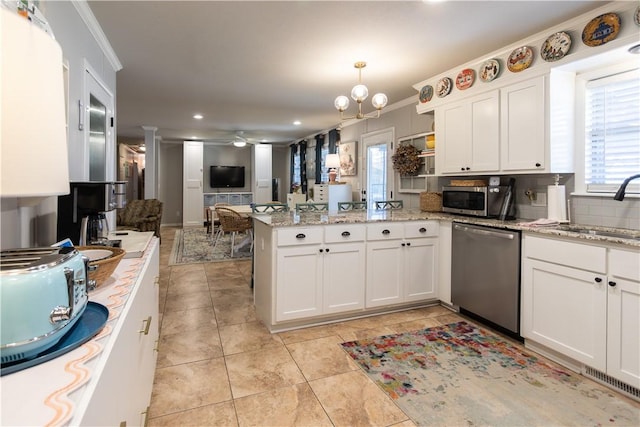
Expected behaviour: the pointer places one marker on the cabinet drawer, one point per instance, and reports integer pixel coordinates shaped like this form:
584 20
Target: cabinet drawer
576 255
415 229
385 231
624 264
344 233
299 236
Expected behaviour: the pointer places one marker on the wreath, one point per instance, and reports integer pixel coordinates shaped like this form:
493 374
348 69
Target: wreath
406 160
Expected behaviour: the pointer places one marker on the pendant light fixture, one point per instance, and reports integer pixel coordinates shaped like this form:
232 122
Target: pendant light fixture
359 93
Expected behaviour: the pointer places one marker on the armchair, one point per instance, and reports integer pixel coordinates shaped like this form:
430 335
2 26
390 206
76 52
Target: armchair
141 215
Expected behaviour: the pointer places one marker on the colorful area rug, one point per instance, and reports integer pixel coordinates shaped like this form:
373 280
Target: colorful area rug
194 245
460 375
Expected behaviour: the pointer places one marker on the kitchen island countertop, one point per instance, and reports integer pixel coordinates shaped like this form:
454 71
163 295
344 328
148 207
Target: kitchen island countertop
623 236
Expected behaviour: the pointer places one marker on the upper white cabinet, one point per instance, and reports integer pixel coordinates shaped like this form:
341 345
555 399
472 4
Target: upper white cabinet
468 135
537 124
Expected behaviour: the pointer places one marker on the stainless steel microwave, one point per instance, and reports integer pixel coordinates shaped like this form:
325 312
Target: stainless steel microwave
474 201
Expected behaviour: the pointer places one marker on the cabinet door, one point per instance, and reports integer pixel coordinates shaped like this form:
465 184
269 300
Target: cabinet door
623 336
384 273
453 136
565 309
420 269
298 286
523 126
343 277
485 132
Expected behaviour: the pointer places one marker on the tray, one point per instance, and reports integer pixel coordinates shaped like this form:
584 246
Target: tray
88 325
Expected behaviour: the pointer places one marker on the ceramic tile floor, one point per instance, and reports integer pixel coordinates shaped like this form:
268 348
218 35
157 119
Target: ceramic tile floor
218 366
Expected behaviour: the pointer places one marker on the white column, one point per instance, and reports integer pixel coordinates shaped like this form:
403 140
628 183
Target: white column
150 162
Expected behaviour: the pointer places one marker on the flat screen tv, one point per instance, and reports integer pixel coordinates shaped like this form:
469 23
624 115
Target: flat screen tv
226 176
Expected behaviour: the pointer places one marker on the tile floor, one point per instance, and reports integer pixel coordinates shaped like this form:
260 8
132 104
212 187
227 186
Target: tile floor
217 365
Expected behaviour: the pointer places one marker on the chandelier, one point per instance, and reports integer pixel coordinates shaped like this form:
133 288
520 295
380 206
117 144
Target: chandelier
359 93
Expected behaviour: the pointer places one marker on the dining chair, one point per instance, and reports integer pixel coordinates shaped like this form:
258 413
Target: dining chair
270 207
234 223
352 206
389 204
213 219
312 207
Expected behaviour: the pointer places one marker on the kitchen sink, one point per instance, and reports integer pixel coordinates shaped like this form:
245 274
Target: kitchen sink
596 232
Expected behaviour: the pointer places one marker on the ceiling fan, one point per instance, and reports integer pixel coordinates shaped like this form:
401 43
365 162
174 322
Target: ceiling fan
237 140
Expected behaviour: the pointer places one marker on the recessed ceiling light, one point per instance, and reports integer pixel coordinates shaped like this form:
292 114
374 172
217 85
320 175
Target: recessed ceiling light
197 116
297 123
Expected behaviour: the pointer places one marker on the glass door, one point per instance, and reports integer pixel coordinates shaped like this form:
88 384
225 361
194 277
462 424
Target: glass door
379 174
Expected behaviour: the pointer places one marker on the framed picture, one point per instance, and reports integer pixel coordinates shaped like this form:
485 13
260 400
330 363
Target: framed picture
348 158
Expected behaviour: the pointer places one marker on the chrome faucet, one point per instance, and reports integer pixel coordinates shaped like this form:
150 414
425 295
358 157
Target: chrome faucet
620 194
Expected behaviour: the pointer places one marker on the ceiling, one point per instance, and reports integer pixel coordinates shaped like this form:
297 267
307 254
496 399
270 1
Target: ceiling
256 67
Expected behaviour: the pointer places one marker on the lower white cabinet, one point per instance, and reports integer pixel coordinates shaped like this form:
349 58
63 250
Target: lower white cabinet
320 270
401 262
583 301
302 274
122 392
623 308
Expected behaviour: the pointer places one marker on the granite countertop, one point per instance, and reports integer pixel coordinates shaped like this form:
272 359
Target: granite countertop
623 236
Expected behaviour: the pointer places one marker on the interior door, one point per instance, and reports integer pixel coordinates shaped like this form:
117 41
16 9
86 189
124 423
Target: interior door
378 148
192 197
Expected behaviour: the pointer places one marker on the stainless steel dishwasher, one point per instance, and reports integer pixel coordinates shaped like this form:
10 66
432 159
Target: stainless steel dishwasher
485 273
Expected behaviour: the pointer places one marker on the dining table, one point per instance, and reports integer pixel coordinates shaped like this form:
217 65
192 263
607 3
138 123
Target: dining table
244 210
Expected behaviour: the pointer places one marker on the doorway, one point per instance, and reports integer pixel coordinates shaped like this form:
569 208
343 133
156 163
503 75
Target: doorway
378 148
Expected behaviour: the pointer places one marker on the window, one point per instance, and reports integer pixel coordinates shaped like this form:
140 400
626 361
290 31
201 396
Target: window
324 171
612 131
296 169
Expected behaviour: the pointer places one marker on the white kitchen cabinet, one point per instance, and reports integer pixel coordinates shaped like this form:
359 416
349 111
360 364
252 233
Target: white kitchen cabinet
320 273
121 392
583 301
401 262
468 135
623 316
536 124
298 273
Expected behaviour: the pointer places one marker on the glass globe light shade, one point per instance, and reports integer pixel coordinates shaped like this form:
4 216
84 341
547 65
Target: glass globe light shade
359 93
341 103
379 100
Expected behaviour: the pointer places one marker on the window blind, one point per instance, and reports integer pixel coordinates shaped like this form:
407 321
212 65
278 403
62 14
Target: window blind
612 131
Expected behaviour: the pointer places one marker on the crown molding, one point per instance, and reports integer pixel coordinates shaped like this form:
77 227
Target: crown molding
94 28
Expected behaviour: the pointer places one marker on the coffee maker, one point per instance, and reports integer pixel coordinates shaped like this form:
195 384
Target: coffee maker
81 213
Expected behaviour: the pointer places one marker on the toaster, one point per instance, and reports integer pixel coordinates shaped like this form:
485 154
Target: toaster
43 293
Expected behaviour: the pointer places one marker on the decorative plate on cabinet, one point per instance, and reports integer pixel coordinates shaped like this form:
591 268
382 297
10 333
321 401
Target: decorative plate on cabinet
443 88
636 16
520 59
601 30
555 47
426 93
465 79
489 70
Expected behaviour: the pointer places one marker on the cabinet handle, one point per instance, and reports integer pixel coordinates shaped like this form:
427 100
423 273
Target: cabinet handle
612 283
327 250
538 165
467 168
598 280
321 250
346 234
408 243
402 244
147 325
462 168
385 232
422 230
300 236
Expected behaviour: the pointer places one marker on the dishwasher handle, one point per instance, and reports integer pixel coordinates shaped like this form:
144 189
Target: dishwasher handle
502 235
